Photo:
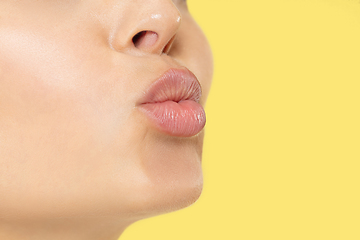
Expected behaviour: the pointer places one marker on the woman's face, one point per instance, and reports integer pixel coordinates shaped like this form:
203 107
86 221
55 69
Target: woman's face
75 139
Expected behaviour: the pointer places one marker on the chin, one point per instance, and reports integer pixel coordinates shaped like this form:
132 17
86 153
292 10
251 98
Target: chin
166 197
172 173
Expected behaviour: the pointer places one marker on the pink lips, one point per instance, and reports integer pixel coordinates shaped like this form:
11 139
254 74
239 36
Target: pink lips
172 103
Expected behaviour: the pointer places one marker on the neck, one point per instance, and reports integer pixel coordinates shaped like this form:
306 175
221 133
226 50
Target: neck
99 228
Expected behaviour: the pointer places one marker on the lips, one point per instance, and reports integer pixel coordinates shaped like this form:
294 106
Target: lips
172 104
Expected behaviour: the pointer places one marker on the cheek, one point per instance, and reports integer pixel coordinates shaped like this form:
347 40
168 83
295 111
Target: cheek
58 88
57 139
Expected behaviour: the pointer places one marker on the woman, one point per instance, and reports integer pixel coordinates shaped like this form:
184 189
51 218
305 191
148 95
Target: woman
101 115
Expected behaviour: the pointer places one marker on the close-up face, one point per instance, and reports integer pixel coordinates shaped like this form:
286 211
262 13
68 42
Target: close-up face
101 107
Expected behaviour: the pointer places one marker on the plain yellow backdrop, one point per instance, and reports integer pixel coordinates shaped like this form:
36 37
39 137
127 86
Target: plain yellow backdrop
282 148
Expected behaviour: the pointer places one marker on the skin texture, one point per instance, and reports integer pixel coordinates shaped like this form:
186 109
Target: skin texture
78 158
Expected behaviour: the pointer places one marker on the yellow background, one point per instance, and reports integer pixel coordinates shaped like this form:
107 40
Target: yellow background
282 147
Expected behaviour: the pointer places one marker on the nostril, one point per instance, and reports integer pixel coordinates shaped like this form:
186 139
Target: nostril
138 37
145 39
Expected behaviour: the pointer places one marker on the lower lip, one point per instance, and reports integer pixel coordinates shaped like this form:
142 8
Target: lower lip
182 119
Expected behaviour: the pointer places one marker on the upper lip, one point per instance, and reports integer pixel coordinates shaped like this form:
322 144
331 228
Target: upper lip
173 85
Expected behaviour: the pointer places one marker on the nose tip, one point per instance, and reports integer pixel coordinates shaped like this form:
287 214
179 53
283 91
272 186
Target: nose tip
154 28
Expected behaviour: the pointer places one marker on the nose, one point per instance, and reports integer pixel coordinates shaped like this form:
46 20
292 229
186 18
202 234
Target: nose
150 27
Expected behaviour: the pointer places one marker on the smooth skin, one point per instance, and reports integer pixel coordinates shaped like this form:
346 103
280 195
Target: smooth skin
78 160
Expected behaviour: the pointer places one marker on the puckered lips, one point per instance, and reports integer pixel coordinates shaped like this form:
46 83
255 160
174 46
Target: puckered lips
172 103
